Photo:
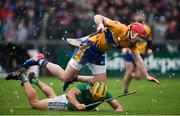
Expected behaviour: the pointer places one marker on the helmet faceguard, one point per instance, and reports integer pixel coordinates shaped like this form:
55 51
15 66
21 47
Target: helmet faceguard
99 90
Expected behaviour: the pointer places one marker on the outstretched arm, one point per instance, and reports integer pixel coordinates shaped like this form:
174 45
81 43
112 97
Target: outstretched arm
115 105
71 96
139 62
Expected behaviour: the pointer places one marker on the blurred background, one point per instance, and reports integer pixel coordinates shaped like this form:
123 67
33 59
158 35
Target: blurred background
31 26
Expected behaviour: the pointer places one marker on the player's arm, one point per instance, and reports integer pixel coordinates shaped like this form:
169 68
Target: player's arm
139 62
101 21
115 105
71 96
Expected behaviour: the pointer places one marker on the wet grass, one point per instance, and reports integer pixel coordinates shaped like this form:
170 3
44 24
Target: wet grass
150 98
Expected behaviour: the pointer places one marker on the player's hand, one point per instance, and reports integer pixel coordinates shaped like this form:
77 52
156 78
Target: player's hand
80 106
101 28
150 78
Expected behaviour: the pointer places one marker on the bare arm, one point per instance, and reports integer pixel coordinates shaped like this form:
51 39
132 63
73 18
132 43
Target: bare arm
71 96
139 62
115 105
100 21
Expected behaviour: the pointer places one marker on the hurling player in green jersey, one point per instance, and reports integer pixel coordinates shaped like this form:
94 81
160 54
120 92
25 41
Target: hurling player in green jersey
76 99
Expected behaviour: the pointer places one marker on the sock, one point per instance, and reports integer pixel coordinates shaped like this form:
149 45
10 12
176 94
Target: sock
43 62
125 91
24 79
75 78
35 81
29 63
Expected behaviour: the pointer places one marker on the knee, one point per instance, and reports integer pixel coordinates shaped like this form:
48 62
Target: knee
129 70
138 75
33 105
66 78
98 78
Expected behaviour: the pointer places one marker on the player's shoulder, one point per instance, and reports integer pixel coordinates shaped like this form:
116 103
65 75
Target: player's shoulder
117 22
84 86
120 23
147 27
108 95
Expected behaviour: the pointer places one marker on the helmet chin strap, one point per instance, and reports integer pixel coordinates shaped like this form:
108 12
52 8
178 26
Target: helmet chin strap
132 36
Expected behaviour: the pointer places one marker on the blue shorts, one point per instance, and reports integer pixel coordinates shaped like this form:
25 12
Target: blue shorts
89 53
129 58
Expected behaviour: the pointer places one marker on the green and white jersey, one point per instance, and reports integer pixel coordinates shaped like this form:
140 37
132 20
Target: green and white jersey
85 97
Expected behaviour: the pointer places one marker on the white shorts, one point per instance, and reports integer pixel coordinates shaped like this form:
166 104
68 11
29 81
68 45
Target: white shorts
58 103
95 69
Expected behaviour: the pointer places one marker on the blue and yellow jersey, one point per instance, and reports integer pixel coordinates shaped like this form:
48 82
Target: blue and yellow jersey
115 37
141 47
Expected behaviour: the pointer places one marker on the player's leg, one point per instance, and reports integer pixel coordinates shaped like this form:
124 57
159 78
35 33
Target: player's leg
78 78
96 60
29 90
47 90
91 79
56 70
64 75
99 74
127 77
32 97
88 79
41 104
137 74
98 68
129 67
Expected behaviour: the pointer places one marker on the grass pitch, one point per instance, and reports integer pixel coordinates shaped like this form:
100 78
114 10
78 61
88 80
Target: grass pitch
150 99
